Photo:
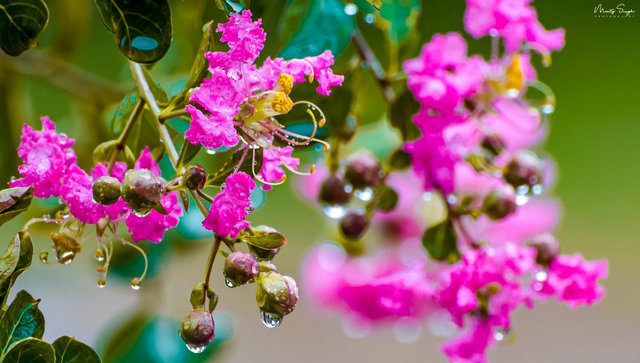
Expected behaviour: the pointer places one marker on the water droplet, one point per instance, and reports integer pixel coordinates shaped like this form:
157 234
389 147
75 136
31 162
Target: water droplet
196 348
537 189
135 283
350 9
541 276
407 331
43 256
348 188
440 324
547 109
522 199
334 211
503 336
229 283
46 217
271 320
13 178
100 254
141 213
452 199
493 32
370 18
101 283
364 195
211 151
427 196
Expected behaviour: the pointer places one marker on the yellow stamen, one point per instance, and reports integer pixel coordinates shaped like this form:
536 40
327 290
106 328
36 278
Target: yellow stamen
515 75
285 82
281 103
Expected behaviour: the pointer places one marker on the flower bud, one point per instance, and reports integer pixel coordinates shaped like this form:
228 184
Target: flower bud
195 177
263 254
332 191
500 202
276 294
354 225
493 144
240 268
524 169
547 248
106 190
142 190
363 171
197 329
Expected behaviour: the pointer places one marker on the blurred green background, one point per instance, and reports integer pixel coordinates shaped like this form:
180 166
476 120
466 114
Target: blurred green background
594 139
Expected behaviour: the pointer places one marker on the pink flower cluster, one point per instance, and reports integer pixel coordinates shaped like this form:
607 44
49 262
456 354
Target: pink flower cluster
50 167
241 95
475 125
230 207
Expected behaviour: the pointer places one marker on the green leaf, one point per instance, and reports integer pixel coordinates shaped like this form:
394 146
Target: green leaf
399 160
386 198
22 320
21 21
199 69
187 153
15 261
440 241
14 201
264 237
30 350
217 178
401 115
376 4
326 27
402 16
141 28
69 350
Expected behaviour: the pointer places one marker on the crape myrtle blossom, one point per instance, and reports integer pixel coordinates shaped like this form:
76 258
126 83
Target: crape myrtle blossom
239 102
230 207
51 168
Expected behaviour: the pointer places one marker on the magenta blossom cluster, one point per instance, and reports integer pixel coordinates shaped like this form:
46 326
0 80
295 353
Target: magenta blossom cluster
50 167
474 159
230 207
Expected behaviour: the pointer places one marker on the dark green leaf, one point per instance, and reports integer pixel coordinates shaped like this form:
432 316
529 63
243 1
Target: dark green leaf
14 201
30 350
21 21
69 350
187 153
386 198
15 261
376 3
142 28
199 69
217 178
264 237
399 160
401 116
326 27
402 16
441 242
22 320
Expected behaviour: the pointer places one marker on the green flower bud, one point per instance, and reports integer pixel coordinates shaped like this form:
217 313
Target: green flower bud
500 202
332 191
240 268
194 177
263 254
276 294
197 329
363 171
106 190
354 225
524 169
142 190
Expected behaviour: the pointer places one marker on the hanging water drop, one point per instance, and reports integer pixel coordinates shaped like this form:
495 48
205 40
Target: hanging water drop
135 283
141 213
364 195
43 256
334 211
271 320
193 348
99 255
102 283
229 283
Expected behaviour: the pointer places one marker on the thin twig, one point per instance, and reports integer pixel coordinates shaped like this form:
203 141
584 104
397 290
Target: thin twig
367 55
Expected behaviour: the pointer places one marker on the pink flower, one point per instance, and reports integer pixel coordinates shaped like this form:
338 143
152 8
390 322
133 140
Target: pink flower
77 194
433 162
47 158
244 37
152 226
370 289
470 346
514 20
229 207
408 219
273 160
574 280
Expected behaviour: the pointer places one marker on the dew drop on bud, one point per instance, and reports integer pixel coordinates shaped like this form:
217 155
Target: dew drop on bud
271 320
364 195
141 213
135 283
229 283
334 211
100 255
101 283
196 348
43 256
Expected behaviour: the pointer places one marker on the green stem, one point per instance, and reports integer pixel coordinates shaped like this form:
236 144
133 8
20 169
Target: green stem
212 257
122 139
172 114
367 55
